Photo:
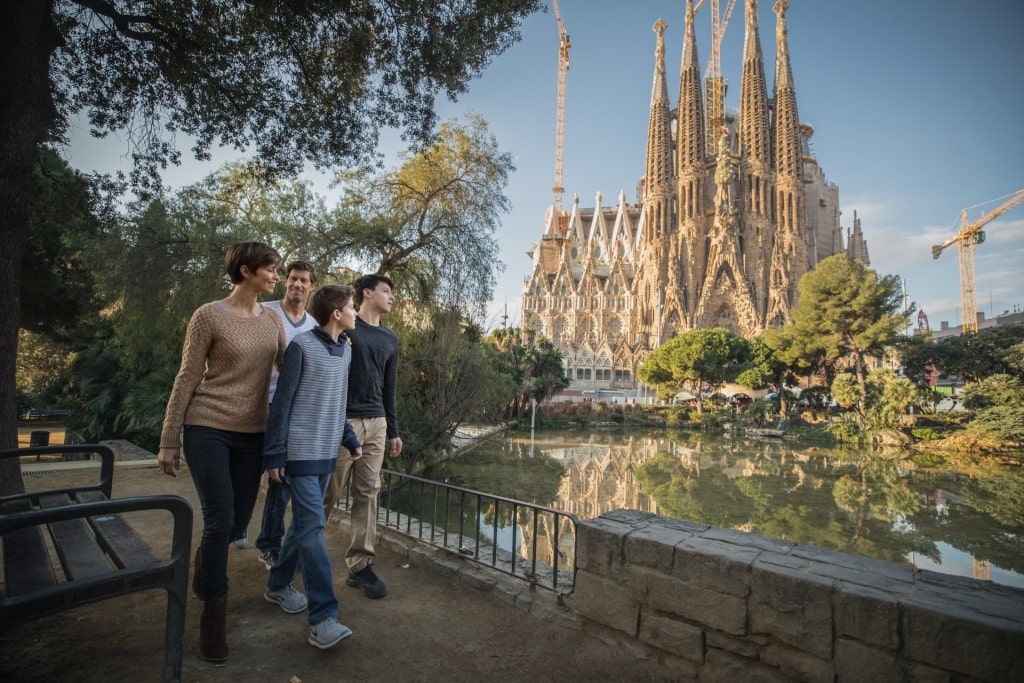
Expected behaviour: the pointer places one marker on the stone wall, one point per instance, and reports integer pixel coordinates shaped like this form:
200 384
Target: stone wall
722 605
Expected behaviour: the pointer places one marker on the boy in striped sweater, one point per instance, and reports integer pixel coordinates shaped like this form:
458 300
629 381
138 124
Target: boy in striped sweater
306 426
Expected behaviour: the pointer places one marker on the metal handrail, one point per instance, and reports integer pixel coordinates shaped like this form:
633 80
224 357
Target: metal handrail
527 541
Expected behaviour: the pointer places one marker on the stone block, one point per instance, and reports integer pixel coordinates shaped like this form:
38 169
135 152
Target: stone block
853 569
672 635
726 667
654 545
797 665
922 673
856 661
868 615
963 641
780 560
604 601
706 606
793 606
629 517
600 545
858 567
775 545
742 646
715 565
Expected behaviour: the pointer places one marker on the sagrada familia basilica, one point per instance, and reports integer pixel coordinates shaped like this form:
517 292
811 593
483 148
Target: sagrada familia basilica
731 211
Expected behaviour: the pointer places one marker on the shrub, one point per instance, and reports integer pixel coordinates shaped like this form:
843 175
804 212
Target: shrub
925 434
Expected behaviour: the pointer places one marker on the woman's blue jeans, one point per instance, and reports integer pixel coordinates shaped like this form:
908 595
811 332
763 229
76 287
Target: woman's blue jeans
226 467
304 545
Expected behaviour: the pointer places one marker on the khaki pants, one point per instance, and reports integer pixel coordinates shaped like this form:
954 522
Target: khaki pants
363 477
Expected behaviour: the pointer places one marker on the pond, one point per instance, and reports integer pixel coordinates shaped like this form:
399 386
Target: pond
855 501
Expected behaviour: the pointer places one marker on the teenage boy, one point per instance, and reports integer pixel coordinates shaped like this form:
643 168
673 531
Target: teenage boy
299 283
305 429
372 412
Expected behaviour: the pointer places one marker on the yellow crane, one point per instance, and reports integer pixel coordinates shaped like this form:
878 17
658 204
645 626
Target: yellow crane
968 237
563 65
715 84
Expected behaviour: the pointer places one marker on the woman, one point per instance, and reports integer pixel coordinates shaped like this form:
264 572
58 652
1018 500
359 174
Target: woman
217 413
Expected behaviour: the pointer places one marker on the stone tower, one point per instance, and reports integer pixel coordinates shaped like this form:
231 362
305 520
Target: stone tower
720 235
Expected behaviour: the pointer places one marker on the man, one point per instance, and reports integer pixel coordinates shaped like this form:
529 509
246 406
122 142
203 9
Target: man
372 412
299 283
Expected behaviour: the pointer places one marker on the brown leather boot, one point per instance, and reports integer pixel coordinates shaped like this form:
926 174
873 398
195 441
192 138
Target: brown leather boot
213 630
197 577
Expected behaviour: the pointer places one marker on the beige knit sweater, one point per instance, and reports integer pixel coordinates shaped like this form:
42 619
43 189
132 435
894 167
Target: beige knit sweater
225 372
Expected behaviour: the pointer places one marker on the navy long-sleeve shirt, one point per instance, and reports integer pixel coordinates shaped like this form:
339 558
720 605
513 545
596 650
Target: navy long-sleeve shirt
374 376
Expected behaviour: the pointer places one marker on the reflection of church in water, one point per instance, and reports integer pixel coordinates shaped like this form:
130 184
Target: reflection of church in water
732 210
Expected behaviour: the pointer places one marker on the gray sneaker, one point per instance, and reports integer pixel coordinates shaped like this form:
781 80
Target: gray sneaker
327 633
290 600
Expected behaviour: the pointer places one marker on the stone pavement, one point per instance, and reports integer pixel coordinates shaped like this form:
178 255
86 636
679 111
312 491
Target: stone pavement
443 619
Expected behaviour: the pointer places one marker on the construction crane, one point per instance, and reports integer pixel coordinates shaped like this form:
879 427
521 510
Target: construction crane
563 65
715 85
968 237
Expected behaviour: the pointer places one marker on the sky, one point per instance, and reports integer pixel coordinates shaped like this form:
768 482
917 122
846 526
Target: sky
917 107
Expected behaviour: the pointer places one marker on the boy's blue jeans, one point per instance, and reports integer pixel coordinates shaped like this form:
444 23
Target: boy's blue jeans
272 526
304 546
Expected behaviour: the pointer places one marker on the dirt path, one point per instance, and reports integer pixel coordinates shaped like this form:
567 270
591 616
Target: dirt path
430 627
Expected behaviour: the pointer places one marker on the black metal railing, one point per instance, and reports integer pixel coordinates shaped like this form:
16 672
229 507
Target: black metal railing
527 541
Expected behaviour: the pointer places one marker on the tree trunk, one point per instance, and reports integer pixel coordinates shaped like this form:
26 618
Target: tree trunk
27 114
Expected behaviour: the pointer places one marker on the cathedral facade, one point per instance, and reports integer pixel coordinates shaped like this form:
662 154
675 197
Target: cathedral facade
731 211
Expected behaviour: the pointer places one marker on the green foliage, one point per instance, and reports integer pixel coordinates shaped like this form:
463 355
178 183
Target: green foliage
57 278
845 390
925 434
447 376
846 310
430 223
677 416
995 390
699 358
1005 423
849 431
535 367
312 80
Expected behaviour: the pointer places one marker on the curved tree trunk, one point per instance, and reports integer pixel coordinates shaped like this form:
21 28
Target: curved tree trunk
28 38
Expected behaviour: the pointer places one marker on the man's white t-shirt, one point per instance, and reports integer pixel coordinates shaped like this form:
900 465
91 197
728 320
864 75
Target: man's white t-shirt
290 330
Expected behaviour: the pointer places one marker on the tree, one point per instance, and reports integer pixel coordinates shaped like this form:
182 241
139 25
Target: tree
447 375
430 223
846 310
300 81
535 366
699 357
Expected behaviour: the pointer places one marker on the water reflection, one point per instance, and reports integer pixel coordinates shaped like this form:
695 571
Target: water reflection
848 500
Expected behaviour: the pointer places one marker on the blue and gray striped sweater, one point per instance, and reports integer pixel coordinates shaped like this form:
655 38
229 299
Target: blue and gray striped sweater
307 421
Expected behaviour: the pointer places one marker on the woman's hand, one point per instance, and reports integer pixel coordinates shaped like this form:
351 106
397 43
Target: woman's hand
169 460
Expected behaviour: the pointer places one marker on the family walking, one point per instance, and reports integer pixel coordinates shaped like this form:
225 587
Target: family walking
308 397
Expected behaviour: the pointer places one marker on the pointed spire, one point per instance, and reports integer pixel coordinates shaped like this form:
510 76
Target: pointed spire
788 152
755 142
659 133
690 126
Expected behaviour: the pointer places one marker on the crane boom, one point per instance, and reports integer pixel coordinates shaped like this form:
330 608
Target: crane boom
968 237
563 65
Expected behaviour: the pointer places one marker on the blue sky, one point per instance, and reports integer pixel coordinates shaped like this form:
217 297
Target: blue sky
916 104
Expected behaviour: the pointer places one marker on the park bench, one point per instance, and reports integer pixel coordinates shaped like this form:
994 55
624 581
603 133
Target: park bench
64 548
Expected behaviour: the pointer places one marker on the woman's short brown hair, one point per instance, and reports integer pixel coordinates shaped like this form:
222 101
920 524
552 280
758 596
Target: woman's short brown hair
252 254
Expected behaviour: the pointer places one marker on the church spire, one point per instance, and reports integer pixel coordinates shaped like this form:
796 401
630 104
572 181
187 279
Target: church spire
690 127
788 147
755 141
789 248
659 176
